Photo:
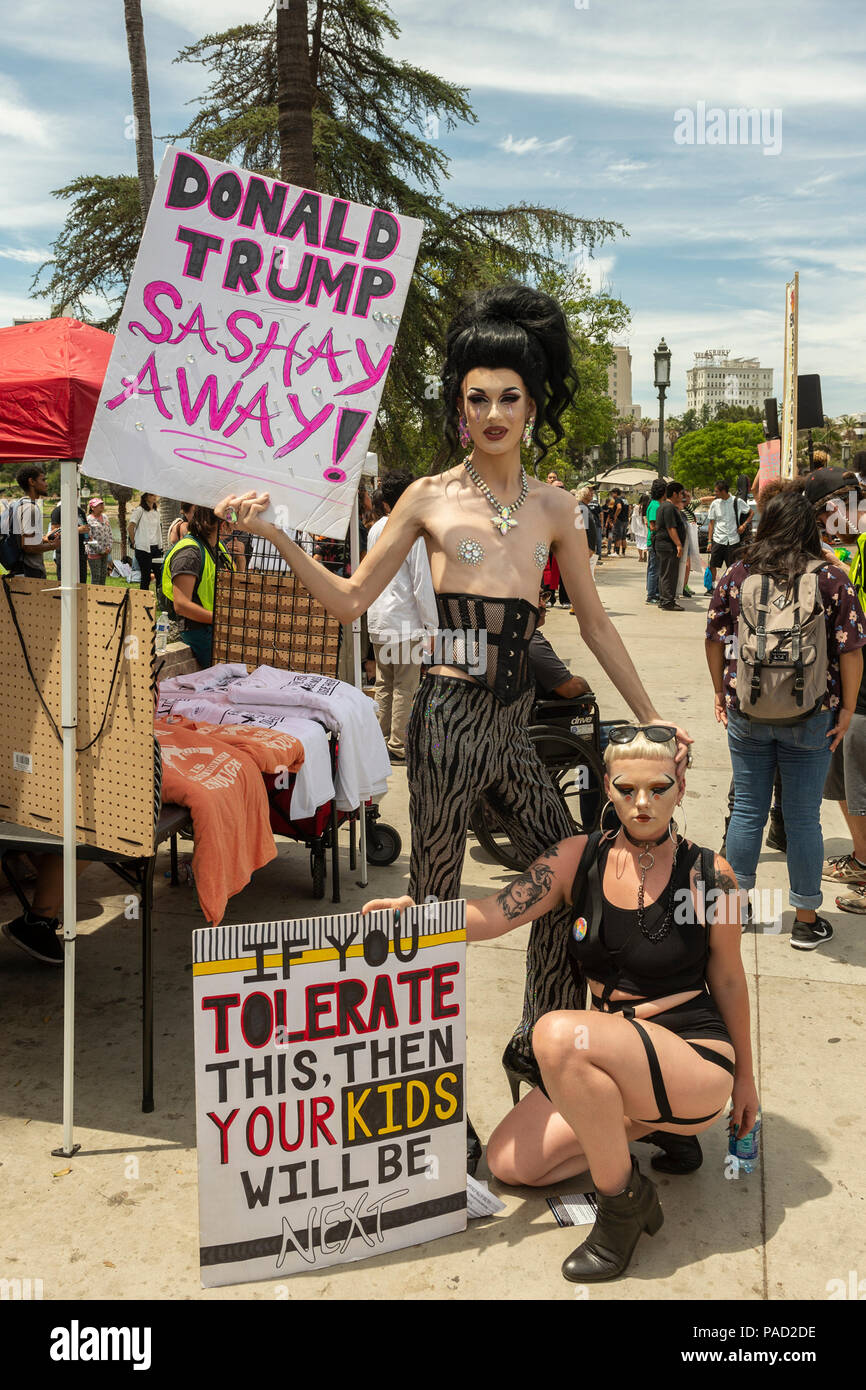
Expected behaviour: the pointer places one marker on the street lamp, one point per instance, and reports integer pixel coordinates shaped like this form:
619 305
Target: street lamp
662 359
596 454
846 452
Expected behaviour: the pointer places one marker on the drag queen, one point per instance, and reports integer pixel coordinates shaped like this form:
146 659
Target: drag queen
488 527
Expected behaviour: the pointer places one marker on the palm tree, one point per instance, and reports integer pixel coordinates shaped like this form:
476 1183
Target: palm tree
295 92
121 494
140 103
646 428
673 430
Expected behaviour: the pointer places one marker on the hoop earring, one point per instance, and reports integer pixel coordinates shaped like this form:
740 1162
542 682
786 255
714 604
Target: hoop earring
610 833
463 433
672 822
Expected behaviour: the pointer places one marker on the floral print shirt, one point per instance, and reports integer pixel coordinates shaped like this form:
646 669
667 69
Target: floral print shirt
100 537
845 620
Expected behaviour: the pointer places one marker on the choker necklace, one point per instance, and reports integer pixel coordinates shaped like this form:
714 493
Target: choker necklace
650 844
505 519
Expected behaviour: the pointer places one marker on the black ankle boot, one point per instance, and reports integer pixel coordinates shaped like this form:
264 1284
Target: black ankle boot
776 836
621 1221
473 1148
682 1152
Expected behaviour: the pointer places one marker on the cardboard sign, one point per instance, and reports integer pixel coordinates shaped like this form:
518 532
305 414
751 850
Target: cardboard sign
330 1058
770 455
254 343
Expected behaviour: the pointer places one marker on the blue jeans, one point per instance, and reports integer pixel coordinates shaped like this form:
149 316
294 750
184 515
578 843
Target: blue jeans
802 754
652 573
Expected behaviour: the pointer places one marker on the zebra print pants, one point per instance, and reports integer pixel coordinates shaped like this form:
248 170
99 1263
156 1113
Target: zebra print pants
461 741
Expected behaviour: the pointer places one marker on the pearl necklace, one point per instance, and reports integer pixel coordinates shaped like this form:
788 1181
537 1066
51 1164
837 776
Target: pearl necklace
505 520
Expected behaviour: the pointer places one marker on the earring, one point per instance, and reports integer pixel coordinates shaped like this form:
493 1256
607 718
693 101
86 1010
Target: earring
673 824
463 433
527 431
610 833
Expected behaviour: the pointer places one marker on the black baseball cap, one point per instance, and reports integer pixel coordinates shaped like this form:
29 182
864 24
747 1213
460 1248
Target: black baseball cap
824 483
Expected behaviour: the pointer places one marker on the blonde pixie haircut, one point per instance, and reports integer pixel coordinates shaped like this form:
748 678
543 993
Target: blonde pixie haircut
640 747
583 494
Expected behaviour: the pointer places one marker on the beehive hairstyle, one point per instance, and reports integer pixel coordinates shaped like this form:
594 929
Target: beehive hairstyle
511 326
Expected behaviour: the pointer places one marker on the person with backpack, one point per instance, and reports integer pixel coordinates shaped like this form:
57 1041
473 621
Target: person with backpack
22 544
792 630
729 518
189 580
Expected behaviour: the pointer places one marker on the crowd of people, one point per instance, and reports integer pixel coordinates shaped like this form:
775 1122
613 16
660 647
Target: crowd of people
475 550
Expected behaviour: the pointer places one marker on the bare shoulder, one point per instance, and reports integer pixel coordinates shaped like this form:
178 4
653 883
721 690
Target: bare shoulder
726 879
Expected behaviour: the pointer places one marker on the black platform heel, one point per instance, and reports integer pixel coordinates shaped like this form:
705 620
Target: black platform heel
519 1068
682 1152
473 1148
619 1225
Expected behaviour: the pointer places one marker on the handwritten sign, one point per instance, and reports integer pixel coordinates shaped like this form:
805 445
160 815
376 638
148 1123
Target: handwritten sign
254 343
330 1058
770 455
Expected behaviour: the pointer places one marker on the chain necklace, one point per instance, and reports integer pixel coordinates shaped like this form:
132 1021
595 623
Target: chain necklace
646 860
505 519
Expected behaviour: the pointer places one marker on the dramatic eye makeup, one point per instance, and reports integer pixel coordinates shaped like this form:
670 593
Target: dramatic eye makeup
658 788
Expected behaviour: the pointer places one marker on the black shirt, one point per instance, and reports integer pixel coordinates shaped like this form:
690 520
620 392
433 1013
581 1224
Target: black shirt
668 515
546 667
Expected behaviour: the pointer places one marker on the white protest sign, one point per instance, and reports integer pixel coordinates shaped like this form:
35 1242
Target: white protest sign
330 1057
255 338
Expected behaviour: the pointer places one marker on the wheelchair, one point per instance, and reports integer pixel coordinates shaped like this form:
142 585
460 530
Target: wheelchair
567 737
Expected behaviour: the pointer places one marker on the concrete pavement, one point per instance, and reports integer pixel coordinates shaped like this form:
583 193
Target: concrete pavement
122 1223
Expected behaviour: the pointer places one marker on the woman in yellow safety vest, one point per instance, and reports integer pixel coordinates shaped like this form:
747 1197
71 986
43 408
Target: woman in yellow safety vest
189 579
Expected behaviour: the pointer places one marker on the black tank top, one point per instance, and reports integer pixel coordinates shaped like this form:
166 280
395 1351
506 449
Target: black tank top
606 943
489 639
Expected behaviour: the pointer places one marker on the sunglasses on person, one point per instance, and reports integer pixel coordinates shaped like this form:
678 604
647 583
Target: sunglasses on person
656 733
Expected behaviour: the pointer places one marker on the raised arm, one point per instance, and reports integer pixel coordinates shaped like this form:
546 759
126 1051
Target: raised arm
596 628
544 886
348 598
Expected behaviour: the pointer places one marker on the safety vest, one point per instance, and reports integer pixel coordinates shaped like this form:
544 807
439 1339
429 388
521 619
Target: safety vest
205 585
858 570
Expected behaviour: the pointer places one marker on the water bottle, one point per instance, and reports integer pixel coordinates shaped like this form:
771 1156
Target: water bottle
162 632
746 1150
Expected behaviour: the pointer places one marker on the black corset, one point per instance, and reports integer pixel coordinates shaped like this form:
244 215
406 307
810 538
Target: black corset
489 639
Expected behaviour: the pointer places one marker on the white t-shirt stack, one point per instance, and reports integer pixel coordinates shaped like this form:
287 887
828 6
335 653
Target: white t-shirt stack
363 766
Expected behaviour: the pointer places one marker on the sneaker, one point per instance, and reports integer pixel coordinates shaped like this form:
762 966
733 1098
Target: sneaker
37 936
844 869
855 901
805 936
672 608
652 600
688 593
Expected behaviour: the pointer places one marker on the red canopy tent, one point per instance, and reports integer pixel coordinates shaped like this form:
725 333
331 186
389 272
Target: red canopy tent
51 374
50 377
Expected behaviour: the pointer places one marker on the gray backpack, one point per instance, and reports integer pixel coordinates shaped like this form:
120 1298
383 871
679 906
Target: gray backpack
781 648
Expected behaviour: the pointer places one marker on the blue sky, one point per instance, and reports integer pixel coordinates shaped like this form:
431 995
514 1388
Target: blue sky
577 105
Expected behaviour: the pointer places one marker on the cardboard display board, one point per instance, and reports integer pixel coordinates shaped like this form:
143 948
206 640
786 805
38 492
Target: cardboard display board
770 455
254 342
330 1056
115 803
272 620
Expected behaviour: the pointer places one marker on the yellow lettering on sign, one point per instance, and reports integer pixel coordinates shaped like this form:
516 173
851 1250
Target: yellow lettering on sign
354 1116
411 1121
389 1127
443 1112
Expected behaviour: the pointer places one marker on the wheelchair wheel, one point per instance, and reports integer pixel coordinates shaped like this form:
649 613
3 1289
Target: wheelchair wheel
383 844
577 772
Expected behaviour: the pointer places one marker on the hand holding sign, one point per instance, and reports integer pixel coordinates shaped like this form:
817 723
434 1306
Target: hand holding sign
245 512
386 904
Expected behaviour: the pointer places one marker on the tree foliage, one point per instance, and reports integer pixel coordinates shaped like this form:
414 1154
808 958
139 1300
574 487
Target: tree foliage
719 450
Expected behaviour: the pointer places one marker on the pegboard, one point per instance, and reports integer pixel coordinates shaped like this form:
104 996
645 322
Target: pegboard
115 802
272 620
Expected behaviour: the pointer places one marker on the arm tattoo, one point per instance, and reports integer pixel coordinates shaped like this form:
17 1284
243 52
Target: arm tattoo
524 892
727 882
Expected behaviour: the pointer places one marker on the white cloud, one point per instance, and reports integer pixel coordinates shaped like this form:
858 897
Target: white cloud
27 257
532 145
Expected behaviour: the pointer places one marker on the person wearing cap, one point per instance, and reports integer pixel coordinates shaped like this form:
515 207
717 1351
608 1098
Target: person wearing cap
98 541
828 490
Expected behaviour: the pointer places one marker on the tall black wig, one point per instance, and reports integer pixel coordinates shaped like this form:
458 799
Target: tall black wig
511 326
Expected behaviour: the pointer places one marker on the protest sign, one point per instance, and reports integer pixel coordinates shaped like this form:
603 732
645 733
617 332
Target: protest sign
330 1056
254 343
770 456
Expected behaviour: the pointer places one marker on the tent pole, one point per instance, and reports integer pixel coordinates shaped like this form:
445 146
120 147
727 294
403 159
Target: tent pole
358 676
69 721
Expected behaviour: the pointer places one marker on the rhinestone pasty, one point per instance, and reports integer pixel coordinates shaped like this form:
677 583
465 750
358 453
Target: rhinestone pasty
541 555
471 552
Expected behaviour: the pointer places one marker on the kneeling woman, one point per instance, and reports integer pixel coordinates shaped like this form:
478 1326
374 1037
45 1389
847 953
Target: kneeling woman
666 1040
